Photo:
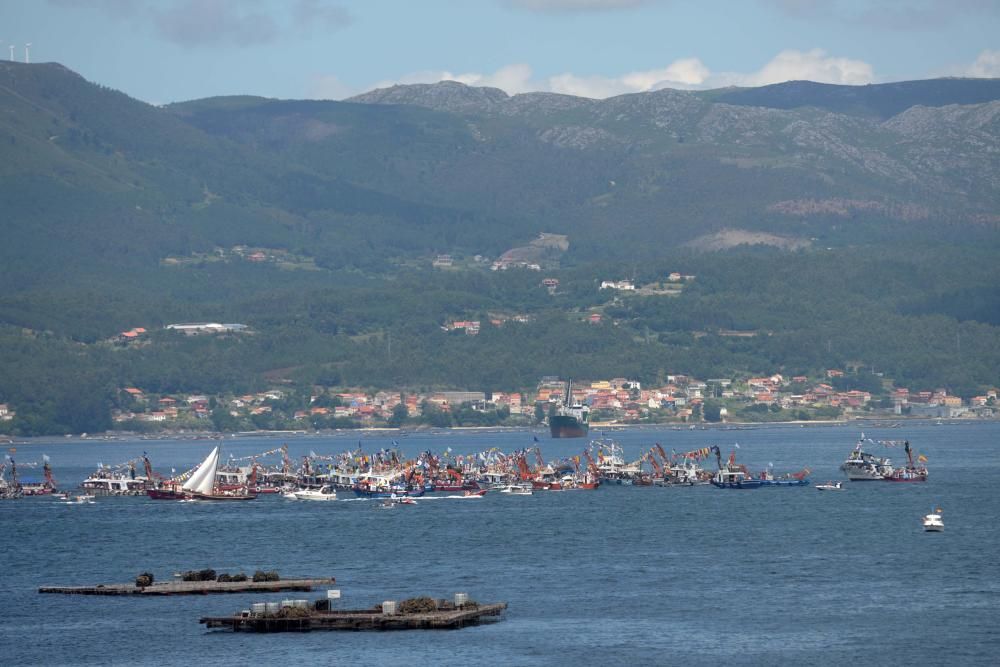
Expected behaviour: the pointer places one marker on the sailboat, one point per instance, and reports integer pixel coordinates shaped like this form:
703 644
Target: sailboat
201 484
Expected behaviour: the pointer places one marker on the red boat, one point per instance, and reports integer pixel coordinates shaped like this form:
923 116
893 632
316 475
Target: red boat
911 473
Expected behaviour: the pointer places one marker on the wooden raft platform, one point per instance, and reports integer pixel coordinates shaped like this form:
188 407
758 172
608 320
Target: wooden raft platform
192 587
362 619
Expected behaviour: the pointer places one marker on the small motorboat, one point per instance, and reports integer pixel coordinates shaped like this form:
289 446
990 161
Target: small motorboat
830 486
392 501
517 490
67 499
933 523
326 492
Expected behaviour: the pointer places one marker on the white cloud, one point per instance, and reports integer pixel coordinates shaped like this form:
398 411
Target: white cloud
986 65
812 65
329 87
512 79
684 73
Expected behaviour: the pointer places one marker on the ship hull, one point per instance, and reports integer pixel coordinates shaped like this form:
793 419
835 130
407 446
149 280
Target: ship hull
166 494
561 426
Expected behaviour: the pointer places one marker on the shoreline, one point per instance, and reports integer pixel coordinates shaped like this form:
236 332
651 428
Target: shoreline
596 430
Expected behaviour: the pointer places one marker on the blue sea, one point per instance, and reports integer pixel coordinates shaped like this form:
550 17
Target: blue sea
620 575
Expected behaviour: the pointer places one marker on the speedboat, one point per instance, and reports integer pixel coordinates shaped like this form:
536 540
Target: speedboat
933 523
830 486
326 492
517 490
67 499
392 501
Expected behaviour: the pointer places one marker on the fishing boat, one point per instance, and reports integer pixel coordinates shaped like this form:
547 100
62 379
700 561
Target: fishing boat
201 485
733 475
611 465
933 523
370 485
830 486
494 479
571 419
910 472
800 478
861 466
325 492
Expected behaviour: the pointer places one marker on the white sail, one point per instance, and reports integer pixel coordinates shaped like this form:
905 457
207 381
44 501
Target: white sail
203 479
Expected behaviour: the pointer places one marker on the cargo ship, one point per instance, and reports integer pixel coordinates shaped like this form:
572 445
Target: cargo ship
570 419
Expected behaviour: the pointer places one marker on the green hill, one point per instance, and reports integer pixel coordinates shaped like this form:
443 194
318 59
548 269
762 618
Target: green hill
315 223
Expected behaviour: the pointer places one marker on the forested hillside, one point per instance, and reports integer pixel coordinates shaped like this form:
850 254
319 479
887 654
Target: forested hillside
316 224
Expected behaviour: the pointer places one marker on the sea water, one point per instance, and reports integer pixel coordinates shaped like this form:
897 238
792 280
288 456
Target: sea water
643 575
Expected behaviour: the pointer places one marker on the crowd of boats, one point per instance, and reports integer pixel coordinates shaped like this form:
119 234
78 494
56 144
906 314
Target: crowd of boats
386 474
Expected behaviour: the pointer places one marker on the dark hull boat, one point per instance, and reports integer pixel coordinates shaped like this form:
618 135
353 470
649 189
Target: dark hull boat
567 426
570 419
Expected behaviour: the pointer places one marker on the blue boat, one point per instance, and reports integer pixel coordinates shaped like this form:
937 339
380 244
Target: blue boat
800 478
785 482
733 475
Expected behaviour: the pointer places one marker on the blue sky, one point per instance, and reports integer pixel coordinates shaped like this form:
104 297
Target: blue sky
171 50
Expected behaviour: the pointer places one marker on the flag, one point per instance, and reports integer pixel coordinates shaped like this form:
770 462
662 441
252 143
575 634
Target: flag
922 458
737 445
535 438
45 457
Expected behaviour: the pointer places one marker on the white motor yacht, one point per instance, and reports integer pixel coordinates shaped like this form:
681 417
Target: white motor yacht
326 492
830 486
933 523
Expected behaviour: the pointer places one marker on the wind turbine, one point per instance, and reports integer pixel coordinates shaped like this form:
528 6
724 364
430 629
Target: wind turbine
27 53
12 52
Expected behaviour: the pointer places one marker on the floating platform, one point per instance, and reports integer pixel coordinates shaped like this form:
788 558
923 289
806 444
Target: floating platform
192 587
362 619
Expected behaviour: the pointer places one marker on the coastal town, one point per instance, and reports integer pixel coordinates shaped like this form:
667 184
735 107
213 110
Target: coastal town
680 399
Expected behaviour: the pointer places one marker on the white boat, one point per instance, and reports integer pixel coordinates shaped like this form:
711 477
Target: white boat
830 486
861 466
107 482
517 490
68 499
933 523
201 485
326 492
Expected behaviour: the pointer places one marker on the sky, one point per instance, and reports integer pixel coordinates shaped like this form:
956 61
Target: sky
164 51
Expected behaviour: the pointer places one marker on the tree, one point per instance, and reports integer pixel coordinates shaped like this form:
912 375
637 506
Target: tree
712 411
399 415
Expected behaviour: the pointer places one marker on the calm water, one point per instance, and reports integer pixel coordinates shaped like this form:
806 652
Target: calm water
648 575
